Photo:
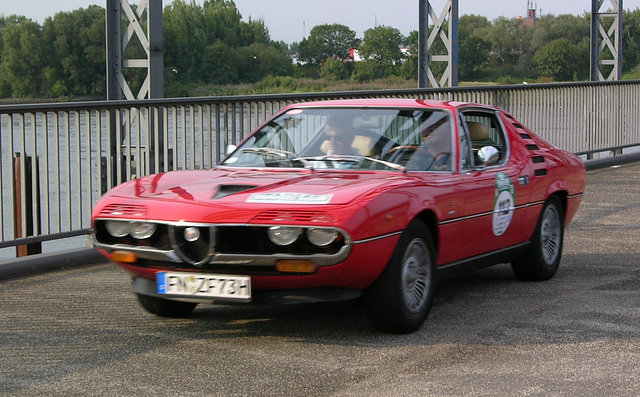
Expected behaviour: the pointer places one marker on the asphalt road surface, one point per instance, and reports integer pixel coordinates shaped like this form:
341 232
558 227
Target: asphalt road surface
80 332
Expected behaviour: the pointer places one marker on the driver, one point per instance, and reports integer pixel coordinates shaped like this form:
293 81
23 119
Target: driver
435 151
438 145
339 136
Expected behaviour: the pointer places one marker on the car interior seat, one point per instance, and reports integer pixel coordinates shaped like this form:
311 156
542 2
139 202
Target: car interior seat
479 132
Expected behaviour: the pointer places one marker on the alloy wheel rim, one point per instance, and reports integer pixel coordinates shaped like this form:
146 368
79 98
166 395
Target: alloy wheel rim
550 235
416 275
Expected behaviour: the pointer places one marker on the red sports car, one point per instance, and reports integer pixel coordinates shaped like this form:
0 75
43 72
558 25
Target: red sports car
342 199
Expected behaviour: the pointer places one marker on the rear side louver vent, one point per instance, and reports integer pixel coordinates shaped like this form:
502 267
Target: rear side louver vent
540 172
537 159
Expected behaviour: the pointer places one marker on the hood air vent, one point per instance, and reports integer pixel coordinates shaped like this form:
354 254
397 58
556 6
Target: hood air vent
227 190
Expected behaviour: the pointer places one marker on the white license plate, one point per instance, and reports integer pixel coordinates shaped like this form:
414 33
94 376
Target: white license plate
221 286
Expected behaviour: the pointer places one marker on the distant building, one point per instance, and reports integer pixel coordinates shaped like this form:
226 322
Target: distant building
532 16
354 54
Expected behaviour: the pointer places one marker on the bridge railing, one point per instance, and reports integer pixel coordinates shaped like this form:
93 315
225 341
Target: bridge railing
57 159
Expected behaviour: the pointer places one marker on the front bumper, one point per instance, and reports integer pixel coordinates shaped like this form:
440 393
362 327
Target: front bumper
266 297
365 262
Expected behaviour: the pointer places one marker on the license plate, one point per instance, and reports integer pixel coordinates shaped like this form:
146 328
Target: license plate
220 286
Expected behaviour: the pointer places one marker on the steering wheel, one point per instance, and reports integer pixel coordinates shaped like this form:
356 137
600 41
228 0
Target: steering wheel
437 157
411 148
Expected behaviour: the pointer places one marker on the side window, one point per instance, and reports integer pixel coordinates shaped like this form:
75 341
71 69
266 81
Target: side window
465 147
485 131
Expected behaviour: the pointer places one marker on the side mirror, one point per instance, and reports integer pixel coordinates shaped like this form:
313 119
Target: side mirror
489 155
230 149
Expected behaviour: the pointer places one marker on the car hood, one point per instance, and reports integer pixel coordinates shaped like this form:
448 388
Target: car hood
262 187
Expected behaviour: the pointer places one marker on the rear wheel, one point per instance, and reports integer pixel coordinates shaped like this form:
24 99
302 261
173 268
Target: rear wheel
165 307
542 259
399 301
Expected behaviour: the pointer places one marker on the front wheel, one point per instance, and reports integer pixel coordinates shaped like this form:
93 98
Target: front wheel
400 299
165 307
542 259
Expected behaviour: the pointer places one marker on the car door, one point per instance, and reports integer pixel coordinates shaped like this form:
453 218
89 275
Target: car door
489 189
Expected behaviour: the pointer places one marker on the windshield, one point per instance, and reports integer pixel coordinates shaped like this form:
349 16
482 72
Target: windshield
351 138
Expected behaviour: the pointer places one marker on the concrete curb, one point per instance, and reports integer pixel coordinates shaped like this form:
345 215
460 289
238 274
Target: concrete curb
41 263
611 161
83 256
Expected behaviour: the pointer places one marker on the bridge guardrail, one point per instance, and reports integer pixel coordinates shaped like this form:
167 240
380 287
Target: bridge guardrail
81 149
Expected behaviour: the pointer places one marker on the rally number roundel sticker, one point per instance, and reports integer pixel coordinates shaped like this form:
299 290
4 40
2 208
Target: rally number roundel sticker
503 204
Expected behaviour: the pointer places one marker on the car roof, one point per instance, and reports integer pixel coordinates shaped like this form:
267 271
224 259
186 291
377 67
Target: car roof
388 102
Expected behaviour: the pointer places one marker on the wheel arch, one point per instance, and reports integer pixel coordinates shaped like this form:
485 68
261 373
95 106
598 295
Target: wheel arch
562 196
430 219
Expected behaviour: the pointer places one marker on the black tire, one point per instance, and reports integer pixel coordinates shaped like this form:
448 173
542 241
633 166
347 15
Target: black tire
165 307
400 299
542 260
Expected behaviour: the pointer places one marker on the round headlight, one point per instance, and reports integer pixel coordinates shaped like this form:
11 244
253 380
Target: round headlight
283 235
117 228
321 236
142 230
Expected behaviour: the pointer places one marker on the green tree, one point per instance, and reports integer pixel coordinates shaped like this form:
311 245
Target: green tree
74 46
210 43
474 51
366 71
473 56
507 38
333 70
556 60
254 32
259 60
576 30
409 68
382 46
21 70
219 63
189 28
328 41
474 24
548 28
631 40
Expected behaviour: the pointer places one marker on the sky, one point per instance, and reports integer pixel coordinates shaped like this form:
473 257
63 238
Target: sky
291 20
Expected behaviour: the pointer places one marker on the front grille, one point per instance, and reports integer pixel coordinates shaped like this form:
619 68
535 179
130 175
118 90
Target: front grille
193 252
243 241
284 217
247 240
160 239
124 210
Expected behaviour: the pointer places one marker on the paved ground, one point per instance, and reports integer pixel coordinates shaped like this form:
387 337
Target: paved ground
80 332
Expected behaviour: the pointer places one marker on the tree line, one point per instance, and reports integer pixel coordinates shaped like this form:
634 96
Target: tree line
210 45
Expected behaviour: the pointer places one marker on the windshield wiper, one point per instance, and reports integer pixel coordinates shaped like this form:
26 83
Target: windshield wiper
388 164
356 159
265 150
306 161
283 154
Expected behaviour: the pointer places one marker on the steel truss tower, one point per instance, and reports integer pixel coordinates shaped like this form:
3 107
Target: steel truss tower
445 28
606 43
120 37
125 29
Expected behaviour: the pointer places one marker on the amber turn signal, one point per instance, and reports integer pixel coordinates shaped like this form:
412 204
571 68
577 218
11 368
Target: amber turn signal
124 256
295 266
